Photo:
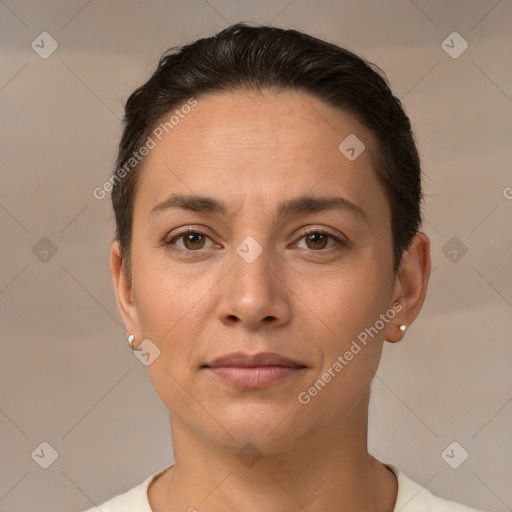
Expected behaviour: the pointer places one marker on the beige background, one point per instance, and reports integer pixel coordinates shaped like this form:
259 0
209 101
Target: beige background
67 374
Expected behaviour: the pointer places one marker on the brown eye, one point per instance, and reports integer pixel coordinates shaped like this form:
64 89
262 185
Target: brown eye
316 240
192 240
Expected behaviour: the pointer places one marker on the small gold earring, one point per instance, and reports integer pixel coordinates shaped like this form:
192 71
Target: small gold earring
131 337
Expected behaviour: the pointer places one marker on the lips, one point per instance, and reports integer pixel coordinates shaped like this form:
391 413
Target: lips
241 360
253 371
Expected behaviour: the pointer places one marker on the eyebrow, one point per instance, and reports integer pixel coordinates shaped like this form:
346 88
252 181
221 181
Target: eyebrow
288 208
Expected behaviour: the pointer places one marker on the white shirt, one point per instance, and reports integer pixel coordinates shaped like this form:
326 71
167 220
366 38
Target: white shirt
411 497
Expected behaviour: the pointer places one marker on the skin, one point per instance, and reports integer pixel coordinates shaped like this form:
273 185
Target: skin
307 300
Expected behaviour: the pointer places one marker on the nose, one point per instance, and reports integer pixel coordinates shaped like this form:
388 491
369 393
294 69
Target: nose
254 294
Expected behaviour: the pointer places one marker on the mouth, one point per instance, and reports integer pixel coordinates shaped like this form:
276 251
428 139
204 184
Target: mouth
255 371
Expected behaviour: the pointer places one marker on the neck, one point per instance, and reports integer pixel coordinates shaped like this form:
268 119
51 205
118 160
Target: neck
329 470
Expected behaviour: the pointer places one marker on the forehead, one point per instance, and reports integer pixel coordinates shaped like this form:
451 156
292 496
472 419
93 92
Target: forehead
261 146
245 121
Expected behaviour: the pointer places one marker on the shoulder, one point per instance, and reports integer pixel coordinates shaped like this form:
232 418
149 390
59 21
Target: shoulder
413 497
134 500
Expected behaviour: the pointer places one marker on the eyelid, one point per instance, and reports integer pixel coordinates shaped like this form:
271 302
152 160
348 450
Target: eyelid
189 228
320 229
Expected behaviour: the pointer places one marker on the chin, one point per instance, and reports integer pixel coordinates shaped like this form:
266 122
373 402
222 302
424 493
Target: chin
268 428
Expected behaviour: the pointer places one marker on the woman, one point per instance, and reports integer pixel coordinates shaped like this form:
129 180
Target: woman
267 199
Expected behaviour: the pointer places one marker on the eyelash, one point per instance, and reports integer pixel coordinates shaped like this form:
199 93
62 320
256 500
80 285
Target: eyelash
169 243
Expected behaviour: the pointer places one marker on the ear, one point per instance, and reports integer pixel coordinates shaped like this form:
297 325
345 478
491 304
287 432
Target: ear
410 285
123 290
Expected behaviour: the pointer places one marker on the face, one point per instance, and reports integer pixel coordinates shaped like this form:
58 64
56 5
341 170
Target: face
257 268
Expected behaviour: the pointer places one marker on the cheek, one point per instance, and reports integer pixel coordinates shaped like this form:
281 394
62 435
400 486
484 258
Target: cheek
350 306
165 297
169 309
175 310
349 348
347 298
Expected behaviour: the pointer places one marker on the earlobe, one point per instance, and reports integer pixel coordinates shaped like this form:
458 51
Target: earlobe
410 285
123 290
